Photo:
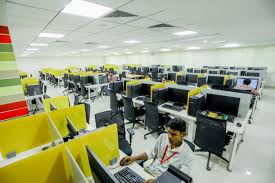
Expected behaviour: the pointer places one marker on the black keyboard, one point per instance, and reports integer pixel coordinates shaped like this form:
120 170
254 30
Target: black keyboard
126 175
140 98
172 107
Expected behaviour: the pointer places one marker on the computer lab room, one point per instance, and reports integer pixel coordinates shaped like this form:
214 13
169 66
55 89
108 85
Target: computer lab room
137 91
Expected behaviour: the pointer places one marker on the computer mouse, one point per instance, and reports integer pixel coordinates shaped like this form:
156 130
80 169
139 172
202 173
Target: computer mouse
45 148
239 124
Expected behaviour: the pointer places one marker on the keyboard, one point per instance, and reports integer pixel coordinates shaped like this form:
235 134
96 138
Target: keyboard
126 175
140 98
173 107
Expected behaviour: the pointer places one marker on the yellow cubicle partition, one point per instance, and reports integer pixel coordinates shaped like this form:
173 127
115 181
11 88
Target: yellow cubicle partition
226 77
195 92
76 114
60 102
55 165
155 87
133 82
28 81
104 143
22 134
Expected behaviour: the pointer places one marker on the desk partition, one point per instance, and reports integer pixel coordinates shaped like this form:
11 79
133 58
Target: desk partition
60 102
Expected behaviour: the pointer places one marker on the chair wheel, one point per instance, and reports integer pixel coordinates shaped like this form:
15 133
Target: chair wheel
229 169
208 168
145 137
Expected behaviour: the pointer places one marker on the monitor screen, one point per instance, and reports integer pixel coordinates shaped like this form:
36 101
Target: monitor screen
146 69
155 69
134 90
232 73
191 78
172 76
99 172
213 72
91 79
224 104
222 72
215 80
253 84
254 74
118 86
103 79
160 96
197 71
161 70
177 95
76 78
84 80
190 70
145 89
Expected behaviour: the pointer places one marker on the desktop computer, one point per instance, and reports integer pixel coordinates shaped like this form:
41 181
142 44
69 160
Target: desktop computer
160 96
102 79
91 80
233 73
178 96
161 70
190 70
253 74
172 76
222 72
181 80
173 175
134 90
213 72
145 89
201 81
215 80
196 104
191 78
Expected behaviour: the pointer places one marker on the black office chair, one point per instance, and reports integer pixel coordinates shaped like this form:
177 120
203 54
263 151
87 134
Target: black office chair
153 119
87 107
115 104
106 118
211 136
132 113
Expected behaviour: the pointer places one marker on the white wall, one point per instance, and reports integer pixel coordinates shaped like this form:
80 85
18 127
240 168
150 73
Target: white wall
34 64
263 56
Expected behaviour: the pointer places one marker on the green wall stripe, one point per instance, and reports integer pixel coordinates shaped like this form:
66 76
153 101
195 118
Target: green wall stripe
7 57
11 99
7 65
11 90
6 48
10 82
9 74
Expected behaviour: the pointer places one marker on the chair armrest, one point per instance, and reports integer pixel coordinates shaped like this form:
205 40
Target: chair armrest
131 131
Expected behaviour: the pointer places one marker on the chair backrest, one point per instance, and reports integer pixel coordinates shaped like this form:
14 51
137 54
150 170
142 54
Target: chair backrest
155 76
88 111
210 134
113 101
129 109
83 90
151 115
76 100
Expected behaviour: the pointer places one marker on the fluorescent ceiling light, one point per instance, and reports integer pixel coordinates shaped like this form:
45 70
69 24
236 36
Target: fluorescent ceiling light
193 48
145 51
104 46
38 44
51 35
107 55
185 33
85 50
32 49
132 41
128 53
86 9
223 41
231 45
205 41
115 53
165 49
247 172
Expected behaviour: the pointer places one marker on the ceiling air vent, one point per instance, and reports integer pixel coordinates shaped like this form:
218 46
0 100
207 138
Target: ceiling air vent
161 26
60 41
90 43
119 14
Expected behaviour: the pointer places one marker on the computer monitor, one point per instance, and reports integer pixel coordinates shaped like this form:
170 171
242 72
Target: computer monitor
160 96
118 86
201 81
146 69
102 79
213 72
155 69
181 80
134 90
76 78
215 80
52 107
161 70
71 76
145 89
84 80
224 104
233 73
253 84
191 78
99 172
91 79
172 174
178 95
190 70
222 72
172 76
71 127
197 71
253 74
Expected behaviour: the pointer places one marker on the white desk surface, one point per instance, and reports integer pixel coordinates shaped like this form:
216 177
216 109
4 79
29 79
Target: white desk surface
134 166
231 127
96 85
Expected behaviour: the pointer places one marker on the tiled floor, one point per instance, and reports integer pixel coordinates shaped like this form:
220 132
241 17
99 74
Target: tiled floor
255 158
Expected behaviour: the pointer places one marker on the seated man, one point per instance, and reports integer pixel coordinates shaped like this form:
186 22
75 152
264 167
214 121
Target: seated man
169 149
245 86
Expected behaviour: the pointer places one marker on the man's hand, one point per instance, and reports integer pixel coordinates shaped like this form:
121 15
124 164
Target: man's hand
149 181
126 161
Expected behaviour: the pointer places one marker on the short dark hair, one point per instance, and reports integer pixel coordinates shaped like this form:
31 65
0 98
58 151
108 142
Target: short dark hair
177 124
247 81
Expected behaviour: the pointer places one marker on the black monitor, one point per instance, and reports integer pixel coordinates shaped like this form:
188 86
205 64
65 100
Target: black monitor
172 76
253 74
91 79
191 78
71 127
190 70
160 96
178 95
99 172
203 70
71 76
253 84
215 80
102 79
145 89
84 80
52 107
213 72
201 81
172 174
116 87
146 69
197 71
222 72
243 73
34 90
134 90
76 78
232 73
181 80
161 70
155 69
224 104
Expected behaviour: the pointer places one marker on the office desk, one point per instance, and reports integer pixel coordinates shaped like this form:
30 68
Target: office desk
134 166
132 76
231 127
90 87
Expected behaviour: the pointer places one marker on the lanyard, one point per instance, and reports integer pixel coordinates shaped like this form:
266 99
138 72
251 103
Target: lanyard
164 154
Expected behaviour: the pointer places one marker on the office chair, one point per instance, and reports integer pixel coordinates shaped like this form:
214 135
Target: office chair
115 104
106 118
153 119
87 107
211 136
132 113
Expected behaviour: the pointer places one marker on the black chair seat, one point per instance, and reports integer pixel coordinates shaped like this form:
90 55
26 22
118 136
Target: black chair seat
125 146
